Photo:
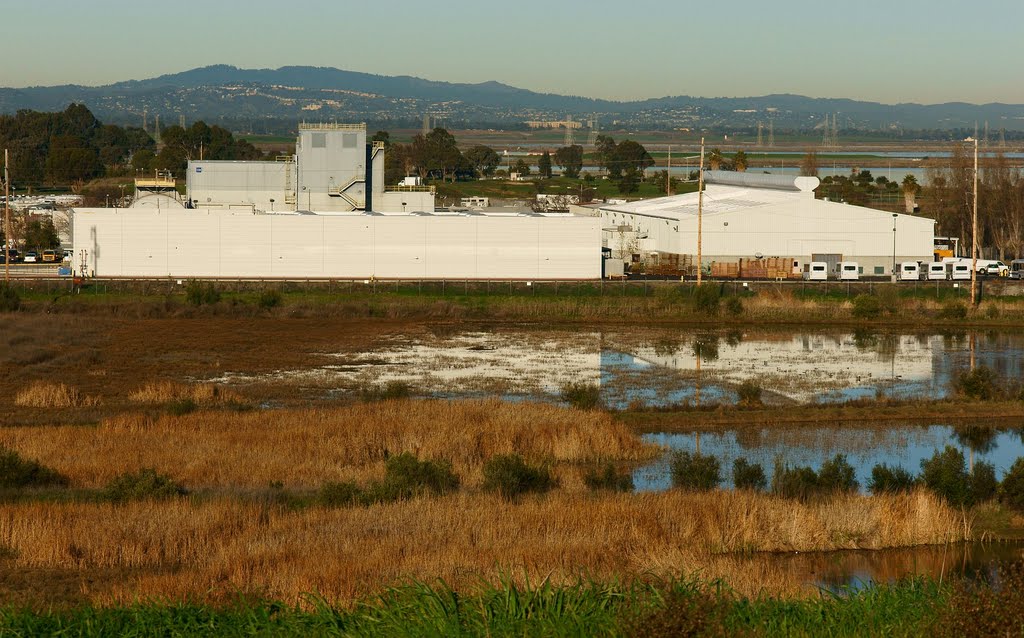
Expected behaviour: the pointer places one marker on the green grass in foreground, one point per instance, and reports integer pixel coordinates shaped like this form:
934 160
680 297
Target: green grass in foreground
681 608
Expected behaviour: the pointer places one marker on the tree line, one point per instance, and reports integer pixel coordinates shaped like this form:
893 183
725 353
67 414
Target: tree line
72 146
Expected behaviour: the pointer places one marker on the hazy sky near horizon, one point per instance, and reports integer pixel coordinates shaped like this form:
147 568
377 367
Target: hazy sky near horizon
889 51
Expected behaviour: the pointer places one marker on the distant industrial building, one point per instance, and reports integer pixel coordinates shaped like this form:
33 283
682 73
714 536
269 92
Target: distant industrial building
218 243
324 213
333 170
748 215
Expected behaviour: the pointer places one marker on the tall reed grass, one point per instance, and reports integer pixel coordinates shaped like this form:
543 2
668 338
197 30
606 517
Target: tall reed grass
49 394
305 448
184 549
168 391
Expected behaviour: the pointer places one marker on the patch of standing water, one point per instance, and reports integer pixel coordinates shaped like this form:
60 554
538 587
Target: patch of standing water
864 447
660 366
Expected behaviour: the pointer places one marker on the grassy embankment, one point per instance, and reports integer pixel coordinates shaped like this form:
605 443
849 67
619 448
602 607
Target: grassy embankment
719 304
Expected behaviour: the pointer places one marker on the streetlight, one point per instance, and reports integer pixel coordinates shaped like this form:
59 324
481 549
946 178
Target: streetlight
974 229
894 216
700 214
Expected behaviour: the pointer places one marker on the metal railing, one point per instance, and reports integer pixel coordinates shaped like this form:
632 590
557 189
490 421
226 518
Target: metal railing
410 189
331 126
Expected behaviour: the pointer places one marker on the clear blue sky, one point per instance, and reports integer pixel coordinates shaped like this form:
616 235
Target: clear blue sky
882 50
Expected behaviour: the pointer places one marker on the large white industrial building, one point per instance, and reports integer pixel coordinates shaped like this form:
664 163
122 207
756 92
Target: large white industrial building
747 215
221 243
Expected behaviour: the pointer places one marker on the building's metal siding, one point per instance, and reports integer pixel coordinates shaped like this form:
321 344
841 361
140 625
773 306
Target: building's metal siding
214 243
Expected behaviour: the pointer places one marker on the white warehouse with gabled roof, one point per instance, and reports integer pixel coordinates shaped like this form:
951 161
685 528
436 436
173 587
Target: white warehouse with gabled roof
748 215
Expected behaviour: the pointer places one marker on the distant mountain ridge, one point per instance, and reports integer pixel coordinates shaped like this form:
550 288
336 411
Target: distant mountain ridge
227 93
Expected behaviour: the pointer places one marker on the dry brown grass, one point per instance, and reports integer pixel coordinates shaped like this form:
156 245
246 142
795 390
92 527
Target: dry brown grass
48 394
167 391
185 549
309 447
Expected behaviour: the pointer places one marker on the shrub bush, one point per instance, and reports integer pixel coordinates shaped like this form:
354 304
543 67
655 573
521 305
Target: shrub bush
946 474
748 476
734 306
270 299
16 472
10 301
749 394
706 298
510 476
889 480
340 494
145 484
981 384
866 307
405 476
181 407
608 479
694 471
389 391
794 482
582 396
198 293
1011 492
837 475
953 310
983 483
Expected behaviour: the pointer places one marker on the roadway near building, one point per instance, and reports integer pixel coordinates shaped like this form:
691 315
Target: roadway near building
754 216
223 243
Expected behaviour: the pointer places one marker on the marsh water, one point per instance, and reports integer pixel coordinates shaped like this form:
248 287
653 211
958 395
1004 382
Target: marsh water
661 366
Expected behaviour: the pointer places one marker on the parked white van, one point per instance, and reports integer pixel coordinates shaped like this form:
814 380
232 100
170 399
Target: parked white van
937 270
993 267
960 270
1017 269
848 271
909 271
817 271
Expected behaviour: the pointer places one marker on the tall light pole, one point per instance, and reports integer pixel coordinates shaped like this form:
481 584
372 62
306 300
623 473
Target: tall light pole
700 215
974 228
7 222
894 216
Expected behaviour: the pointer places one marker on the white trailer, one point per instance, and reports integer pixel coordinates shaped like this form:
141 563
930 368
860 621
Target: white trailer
960 271
909 271
848 271
1017 269
937 271
817 271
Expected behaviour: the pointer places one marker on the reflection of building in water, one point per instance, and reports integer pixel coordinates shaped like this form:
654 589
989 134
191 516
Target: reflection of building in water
514 364
805 367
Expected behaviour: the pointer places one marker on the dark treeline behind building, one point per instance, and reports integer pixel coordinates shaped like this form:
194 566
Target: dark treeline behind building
72 147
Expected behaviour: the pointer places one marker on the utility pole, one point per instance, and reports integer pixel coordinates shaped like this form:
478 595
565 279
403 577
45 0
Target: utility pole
974 232
668 173
7 222
700 215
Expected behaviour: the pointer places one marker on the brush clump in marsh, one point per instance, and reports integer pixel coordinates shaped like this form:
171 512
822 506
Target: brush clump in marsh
147 483
510 476
749 394
10 301
582 396
748 476
608 478
1011 491
270 299
980 384
405 477
945 474
803 483
16 472
866 307
198 293
694 471
890 480
390 391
